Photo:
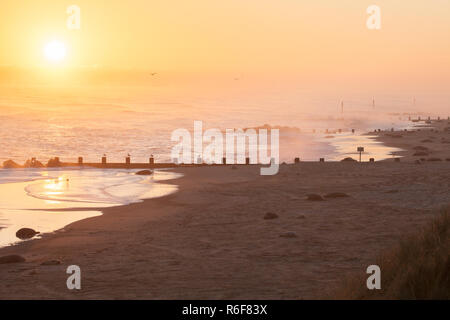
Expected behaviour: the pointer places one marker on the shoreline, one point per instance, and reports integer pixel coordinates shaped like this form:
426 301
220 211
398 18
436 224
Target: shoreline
209 240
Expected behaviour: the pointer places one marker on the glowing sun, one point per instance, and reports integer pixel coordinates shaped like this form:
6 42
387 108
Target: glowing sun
55 51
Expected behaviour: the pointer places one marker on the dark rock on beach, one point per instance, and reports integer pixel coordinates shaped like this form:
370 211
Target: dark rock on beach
336 195
26 233
51 263
144 172
289 234
348 159
314 197
270 216
12 259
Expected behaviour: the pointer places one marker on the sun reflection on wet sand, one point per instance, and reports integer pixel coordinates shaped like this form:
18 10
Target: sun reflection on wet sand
35 204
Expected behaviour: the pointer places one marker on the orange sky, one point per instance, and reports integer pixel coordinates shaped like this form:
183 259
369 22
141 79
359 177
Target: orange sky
316 38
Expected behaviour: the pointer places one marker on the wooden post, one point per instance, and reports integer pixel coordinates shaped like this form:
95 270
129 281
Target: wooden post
104 160
247 160
371 160
151 160
322 160
224 160
297 160
353 130
128 160
80 160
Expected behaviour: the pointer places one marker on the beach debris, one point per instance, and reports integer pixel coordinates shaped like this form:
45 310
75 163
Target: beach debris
26 233
144 172
348 159
14 258
9 164
54 162
288 234
54 262
420 154
314 197
270 216
336 195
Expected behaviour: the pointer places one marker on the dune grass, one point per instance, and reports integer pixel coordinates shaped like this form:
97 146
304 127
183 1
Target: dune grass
417 268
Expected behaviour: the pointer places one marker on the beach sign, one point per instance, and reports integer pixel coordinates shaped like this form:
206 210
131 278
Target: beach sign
360 150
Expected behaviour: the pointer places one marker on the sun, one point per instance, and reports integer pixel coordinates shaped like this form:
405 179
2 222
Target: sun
55 51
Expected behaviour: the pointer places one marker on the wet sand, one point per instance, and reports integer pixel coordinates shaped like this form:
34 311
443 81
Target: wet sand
210 240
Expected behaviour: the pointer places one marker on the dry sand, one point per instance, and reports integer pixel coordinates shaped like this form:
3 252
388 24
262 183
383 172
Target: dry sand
210 240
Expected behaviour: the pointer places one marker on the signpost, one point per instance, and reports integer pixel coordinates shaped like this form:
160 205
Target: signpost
360 150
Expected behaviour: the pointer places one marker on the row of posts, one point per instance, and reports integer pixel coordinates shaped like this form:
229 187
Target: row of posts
127 160
429 118
152 160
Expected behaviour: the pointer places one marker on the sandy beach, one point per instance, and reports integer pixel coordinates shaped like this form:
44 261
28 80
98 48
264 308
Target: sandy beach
210 240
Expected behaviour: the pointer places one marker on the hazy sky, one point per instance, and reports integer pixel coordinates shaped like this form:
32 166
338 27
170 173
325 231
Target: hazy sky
315 38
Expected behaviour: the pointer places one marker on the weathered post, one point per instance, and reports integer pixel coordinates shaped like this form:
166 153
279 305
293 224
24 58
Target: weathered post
104 160
80 161
297 160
